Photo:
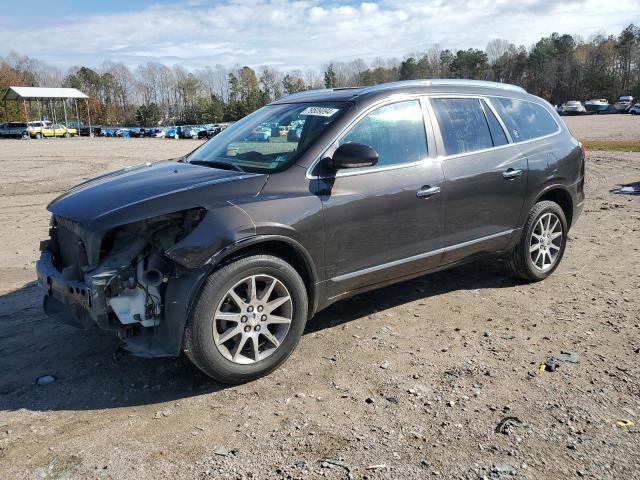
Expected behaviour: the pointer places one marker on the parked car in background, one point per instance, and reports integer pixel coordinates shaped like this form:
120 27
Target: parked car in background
596 105
573 107
624 103
108 132
122 132
210 132
59 130
171 132
152 132
226 253
14 130
261 133
635 110
190 131
84 130
35 127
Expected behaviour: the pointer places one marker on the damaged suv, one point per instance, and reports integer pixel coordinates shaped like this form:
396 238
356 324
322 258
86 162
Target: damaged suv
226 253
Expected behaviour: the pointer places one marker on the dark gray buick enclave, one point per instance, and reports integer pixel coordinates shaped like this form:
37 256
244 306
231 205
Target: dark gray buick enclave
224 254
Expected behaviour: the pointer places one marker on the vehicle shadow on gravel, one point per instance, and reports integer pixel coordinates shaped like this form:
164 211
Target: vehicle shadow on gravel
92 373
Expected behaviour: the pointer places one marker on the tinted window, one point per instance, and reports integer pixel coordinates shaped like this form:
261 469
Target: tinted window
463 125
525 120
497 133
395 131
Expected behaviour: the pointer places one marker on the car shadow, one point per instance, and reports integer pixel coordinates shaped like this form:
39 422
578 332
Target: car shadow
92 372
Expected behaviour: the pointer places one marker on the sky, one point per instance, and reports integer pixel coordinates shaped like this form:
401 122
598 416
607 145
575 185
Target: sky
287 34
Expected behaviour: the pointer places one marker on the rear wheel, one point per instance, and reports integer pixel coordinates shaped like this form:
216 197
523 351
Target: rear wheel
247 319
542 243
66 135
38 135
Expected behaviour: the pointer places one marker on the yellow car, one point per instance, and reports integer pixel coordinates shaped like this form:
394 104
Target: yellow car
59 131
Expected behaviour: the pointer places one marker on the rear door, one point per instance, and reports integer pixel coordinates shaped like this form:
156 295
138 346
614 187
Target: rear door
485 177
386 221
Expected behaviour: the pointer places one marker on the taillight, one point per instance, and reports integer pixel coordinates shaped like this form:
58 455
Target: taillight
583 158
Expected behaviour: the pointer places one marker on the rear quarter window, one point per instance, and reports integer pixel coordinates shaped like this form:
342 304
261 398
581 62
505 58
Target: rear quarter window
525 120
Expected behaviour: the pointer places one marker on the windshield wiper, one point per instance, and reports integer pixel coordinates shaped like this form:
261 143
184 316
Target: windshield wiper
218 163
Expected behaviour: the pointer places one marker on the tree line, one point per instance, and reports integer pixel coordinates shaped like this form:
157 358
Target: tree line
557 68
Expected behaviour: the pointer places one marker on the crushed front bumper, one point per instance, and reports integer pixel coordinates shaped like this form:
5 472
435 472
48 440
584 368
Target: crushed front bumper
72 301
84 304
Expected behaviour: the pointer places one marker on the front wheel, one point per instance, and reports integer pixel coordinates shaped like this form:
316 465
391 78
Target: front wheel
542 244
247 319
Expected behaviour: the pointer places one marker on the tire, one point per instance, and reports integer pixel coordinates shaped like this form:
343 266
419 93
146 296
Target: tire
38 135
24 135
215 357
520 261
66 135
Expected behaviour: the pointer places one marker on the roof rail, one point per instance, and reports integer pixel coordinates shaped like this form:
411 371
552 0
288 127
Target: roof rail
443 82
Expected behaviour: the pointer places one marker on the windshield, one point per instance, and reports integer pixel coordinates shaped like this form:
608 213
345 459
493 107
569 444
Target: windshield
270 138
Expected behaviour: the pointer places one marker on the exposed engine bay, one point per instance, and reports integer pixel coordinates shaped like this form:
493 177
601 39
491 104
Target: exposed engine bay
122 274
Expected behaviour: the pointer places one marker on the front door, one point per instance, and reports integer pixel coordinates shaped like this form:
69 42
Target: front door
386 221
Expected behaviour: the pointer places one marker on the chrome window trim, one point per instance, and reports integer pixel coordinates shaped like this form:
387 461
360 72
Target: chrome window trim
559 127
434 136
395 263
487 99
505 130
386 101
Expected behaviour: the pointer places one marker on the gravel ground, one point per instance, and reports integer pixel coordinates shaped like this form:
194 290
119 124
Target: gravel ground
604 127
440 362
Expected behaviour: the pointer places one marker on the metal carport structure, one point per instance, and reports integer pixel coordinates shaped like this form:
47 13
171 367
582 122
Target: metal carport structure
46 93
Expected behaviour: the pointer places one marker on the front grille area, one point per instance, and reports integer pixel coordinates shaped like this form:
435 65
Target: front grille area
69 249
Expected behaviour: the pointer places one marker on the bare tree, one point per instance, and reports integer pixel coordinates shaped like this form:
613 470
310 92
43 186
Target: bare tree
496 48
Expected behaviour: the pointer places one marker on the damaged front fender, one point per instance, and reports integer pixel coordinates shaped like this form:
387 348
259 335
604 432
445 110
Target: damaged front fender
221 227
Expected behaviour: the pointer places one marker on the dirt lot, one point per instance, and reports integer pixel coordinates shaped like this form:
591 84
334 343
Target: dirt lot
604 127
407 382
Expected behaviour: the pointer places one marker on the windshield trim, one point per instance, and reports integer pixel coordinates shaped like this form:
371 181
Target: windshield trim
253 166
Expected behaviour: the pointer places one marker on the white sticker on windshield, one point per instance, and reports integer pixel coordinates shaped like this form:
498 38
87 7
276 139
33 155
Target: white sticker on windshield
319 111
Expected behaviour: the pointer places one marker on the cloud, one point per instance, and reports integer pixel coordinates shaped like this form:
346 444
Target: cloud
297 33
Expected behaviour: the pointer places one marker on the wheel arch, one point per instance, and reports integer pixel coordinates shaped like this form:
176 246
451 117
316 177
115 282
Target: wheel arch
560 195
280 246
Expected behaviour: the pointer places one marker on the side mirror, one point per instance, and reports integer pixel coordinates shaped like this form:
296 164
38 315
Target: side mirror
353 155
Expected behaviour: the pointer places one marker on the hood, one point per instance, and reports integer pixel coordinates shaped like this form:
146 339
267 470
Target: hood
147 190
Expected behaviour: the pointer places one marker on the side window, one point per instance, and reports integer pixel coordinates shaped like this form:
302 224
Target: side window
525 120
497 133
462 124
395 131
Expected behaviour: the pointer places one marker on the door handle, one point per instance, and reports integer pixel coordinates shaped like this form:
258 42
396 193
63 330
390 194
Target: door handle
510 173
427 191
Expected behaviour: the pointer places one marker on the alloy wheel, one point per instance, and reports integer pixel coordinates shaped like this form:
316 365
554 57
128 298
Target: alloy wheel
252 319
546 242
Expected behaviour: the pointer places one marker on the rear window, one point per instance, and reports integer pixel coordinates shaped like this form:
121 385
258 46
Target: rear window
525 120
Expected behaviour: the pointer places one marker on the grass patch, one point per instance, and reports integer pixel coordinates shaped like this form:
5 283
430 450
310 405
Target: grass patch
613 145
